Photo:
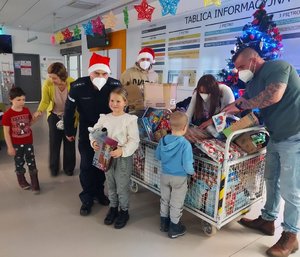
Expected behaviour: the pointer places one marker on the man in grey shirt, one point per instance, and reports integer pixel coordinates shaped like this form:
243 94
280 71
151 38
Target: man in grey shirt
274 88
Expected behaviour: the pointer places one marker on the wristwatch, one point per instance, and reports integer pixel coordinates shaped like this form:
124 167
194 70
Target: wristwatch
239 106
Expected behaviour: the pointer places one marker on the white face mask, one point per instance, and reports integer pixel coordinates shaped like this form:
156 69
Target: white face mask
205 97
99 82
246 75
145 65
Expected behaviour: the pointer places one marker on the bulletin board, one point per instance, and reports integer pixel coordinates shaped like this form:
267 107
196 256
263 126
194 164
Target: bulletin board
190 45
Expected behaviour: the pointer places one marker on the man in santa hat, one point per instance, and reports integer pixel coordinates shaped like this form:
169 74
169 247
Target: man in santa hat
90 97
142 71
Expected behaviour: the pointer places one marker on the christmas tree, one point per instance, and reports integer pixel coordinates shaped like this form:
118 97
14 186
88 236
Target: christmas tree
262 35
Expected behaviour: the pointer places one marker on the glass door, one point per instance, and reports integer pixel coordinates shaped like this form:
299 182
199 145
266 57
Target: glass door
74 65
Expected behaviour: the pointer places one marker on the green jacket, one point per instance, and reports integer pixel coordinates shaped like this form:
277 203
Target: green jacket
47 102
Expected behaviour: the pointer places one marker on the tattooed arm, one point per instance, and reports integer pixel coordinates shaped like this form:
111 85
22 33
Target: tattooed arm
271 95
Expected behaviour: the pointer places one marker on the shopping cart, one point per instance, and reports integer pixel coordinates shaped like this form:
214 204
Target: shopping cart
219 192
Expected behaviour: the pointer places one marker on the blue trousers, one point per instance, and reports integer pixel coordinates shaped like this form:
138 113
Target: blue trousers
282 176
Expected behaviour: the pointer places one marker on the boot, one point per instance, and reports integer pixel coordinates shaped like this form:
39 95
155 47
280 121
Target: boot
286 245
35 186
22 181
122 219
111 216
164 224
176 230
265 226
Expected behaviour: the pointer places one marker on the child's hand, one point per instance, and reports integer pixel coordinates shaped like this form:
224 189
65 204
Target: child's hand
95 146
116 153
11 151
36 115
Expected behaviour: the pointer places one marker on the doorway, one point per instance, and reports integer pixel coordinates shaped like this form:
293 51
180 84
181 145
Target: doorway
74 65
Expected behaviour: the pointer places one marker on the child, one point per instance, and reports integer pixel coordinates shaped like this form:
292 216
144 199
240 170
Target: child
176 156
123 128
18 137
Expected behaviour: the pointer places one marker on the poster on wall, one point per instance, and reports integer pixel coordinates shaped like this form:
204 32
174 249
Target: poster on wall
26 68
198 43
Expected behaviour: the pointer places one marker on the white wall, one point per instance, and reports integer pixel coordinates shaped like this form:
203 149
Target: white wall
41 46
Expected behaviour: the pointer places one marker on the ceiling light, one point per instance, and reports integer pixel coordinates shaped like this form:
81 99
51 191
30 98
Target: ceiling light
32 39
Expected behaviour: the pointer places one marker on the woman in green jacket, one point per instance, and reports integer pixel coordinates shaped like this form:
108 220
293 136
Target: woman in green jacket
54 94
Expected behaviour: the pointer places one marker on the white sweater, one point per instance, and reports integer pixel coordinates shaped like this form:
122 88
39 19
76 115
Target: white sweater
123 128
227 97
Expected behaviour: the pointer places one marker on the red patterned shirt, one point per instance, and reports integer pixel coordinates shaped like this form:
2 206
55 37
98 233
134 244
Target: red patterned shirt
19 123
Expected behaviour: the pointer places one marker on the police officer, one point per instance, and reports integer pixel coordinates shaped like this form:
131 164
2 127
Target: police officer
90 97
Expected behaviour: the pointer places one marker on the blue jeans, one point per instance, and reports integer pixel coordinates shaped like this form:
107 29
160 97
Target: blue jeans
282 176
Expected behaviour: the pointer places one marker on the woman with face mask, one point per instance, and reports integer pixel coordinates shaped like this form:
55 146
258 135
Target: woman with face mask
142 71
208 99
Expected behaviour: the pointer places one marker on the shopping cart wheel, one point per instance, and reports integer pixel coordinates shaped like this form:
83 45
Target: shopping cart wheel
208 229
134 187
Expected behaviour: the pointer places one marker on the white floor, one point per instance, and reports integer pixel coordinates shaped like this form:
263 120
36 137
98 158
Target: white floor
49 224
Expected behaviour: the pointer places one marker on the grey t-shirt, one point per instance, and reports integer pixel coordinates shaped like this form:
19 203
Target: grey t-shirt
283 118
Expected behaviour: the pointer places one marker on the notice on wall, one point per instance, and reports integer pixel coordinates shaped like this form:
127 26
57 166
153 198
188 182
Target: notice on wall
198 43
26 68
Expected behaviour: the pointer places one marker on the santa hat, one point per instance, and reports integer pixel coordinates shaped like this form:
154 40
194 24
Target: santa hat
99 62
147 52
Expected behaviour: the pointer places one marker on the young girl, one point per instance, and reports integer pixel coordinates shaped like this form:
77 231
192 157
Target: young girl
123 128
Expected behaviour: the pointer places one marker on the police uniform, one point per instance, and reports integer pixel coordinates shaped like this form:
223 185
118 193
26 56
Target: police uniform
90 103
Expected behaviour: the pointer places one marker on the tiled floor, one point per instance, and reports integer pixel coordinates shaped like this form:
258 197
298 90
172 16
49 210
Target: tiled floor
49 224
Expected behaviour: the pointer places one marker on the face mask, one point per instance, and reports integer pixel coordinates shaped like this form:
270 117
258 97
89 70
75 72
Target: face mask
246 75
204 97
145 65
99 82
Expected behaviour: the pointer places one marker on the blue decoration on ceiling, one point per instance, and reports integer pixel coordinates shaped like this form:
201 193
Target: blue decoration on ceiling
88 28
169 6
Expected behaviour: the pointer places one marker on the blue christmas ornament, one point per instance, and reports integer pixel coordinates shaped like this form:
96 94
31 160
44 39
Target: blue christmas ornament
88 28
169 6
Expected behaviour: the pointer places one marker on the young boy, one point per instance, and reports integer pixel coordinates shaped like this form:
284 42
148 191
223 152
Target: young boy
18 137
176 156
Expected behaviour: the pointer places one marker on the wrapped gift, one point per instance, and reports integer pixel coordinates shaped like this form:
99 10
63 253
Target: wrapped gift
102 157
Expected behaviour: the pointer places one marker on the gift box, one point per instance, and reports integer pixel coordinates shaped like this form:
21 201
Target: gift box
249 141
247 121
102 157
160 95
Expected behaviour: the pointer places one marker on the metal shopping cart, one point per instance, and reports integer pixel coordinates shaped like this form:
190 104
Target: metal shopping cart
219 192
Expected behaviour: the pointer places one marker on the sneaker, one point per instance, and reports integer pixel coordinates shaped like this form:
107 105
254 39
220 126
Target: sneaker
122 219
111 216
264 226
176 230
164 224
85 210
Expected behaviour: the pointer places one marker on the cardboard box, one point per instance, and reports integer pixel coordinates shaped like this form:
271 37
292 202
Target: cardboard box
135 98
245 142
160 95
247 121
